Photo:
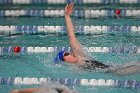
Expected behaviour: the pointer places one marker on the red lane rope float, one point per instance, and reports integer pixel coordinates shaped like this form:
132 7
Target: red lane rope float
17 49
118 12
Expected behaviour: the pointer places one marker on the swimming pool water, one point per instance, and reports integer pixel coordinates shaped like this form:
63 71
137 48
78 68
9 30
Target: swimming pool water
41 64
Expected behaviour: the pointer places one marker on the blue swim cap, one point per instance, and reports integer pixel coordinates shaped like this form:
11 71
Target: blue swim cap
59 57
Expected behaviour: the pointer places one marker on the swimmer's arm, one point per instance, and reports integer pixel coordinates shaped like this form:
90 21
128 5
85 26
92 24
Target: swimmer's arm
70 30
74 44
28 90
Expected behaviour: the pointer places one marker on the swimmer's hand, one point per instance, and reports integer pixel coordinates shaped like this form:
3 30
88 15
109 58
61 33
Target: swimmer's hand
69 9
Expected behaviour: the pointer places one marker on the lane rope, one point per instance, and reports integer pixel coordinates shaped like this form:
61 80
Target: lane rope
68 1
11 29
85 13
27 50
84 82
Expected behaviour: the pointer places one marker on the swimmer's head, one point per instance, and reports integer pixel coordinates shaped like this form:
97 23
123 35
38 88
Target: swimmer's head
64 90
56 88
64 56
60 56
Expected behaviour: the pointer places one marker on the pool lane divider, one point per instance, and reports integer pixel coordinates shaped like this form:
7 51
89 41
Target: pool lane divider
84 30
29 50
68 1
80 13
134 84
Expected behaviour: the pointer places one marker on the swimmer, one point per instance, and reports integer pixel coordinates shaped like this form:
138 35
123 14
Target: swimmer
52 88
76 55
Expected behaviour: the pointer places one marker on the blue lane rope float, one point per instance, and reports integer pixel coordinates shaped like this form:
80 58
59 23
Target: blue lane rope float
28 50
68 1
85 30
86 13
134 84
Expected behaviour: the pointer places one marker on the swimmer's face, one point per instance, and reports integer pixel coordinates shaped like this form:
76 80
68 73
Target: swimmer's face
69 58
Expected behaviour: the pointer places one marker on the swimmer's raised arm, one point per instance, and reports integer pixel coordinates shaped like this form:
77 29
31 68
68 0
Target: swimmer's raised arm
74 44
69 25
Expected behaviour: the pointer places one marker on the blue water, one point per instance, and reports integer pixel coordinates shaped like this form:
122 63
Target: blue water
41 64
